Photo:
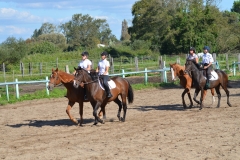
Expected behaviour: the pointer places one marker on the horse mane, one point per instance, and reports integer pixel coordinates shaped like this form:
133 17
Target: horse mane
65 77
93 74
179 68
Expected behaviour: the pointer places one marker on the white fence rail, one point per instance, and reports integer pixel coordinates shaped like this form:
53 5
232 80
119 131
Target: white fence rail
17 83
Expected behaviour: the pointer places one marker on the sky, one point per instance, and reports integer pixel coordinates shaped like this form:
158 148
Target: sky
19 18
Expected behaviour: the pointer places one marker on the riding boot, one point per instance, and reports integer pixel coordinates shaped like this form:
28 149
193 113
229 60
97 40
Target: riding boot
207 85
109 94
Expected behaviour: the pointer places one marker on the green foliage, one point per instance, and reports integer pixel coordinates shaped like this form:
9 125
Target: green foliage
43 47
58 39
236 7
85 31
12 50
173 26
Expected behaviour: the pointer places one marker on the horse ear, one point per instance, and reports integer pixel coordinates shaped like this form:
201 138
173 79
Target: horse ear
75 68
56 69
52 70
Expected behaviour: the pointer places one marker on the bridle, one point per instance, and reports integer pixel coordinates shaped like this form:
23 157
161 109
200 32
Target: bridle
84 78
56 78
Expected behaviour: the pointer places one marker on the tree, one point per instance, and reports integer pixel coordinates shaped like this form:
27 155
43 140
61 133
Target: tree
236 6
85 31
12 50
124 32
173 26
46 28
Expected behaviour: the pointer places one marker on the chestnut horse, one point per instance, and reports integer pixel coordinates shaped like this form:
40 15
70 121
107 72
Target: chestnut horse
97 95
200 81
73 94
186 82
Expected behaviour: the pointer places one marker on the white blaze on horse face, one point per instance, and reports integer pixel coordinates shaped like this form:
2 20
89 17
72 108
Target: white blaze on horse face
172 71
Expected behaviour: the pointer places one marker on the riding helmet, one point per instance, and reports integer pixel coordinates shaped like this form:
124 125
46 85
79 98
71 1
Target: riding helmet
192 49
85 53
104 54
206 48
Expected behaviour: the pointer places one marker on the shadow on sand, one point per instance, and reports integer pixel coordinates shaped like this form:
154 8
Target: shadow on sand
41 123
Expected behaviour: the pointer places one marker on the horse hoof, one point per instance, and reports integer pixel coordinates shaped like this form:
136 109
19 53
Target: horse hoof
95 123
200 108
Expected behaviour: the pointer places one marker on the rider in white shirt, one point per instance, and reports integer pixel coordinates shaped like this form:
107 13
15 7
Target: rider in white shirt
86 64
207 61
103 67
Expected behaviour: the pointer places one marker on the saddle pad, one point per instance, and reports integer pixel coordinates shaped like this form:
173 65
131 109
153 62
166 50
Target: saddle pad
111 84
214 76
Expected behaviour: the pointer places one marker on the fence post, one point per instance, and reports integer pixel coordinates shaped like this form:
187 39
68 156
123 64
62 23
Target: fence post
145 76
22 69
164 74
238 62
67 69
17 89
123 75
47 86
234 69
57 63
227 65
4 74
160 61
112 65
7 92
40 68
30 68
136 63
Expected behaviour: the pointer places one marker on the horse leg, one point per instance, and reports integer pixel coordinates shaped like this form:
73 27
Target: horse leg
95 108
69 107
81 113
119 103
201 99
219 95
124 103
227 93
102 113
195 95
183 94
213 98
190 98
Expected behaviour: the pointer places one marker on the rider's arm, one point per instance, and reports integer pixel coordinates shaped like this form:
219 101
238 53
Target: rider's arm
106 70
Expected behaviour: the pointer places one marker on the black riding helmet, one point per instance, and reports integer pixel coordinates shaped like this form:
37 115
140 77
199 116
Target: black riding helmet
104 54
192 49
85 53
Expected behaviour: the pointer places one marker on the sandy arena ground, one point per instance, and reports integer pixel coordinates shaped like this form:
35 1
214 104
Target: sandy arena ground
156 127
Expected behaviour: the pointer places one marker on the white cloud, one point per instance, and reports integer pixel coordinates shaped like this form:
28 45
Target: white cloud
12 30
12 14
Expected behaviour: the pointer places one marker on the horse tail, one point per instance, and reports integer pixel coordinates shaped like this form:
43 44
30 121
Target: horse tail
130 93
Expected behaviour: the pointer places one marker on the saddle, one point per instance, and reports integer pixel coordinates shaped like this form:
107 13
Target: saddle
214 75
111 83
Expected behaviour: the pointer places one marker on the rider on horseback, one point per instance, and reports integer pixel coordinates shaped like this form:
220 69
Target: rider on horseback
207 61
103 67
192 55
86 64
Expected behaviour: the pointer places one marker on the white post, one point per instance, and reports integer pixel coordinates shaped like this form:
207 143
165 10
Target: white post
17 89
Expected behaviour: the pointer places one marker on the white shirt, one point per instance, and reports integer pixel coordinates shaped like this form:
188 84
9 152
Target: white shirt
84 63
207 58
191 57
102 65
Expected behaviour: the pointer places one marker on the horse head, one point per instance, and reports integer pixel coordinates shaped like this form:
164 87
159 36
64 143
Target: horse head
190 66
54 79
176 70
81 76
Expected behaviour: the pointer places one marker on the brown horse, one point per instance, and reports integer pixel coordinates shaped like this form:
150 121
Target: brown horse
97 95
200 81
73 94
186 82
